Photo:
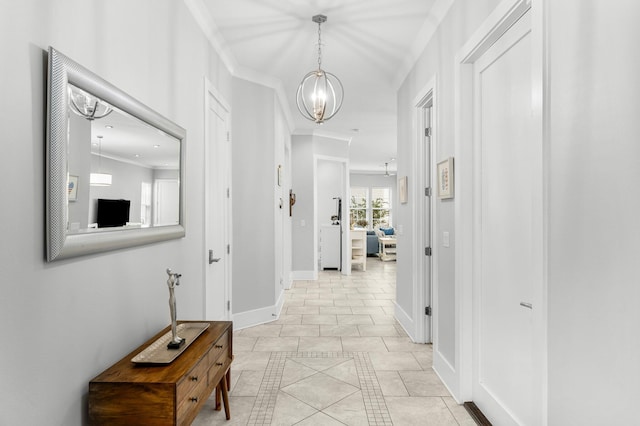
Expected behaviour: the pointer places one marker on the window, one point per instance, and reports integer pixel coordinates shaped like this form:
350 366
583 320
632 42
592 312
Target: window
358 207
145 204
370 207
380 207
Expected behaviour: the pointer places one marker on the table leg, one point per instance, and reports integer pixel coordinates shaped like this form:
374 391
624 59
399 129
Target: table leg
225 396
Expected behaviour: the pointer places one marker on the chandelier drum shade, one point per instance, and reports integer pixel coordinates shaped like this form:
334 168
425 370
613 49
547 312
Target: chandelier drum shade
320 93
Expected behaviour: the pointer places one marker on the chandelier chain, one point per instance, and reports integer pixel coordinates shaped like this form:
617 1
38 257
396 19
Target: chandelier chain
319 47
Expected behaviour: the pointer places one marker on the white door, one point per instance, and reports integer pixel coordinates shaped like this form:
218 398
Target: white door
504 261
167 202
217 204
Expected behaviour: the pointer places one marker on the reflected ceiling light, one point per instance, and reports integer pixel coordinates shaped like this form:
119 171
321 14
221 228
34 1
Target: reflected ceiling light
87 105
320 93
100 179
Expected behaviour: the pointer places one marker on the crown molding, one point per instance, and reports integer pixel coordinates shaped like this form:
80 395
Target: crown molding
428 29
208 26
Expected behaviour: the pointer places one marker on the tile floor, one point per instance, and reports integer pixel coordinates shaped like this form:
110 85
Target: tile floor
336 356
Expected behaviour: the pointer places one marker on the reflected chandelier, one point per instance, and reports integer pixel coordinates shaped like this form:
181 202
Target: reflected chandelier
87 105
320 93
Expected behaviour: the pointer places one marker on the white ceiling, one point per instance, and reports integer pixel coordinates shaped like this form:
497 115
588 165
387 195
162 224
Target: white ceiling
369 44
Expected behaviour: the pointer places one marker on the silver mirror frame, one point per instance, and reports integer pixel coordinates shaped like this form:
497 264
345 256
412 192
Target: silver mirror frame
60 245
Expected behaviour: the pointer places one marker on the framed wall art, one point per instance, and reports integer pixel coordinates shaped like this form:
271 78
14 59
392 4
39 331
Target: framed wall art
445 178
402 190
72 188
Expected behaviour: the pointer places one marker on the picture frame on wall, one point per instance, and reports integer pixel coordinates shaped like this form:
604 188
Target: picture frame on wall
445 178
402 190
72 188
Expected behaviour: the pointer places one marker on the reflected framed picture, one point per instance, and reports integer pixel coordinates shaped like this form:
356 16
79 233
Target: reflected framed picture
445 178
402 190
72 188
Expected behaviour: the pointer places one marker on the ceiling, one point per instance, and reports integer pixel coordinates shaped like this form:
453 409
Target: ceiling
370 45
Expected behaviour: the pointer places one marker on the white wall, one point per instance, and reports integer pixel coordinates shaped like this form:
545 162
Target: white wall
437 61
65 322
254 171
594 170
302 240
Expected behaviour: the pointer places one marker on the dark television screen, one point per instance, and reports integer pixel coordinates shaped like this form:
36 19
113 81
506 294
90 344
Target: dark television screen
112 212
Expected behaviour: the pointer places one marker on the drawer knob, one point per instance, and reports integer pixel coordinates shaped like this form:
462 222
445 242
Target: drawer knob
194 378
193 399
218 363
218 346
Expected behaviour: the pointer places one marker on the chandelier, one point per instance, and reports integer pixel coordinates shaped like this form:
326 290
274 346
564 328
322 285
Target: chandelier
320 93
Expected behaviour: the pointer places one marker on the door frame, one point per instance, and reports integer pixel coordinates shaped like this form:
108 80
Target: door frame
211 92
498 22
424 295
346 233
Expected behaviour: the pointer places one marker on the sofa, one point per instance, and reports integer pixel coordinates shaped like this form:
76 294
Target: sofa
372 243
372 240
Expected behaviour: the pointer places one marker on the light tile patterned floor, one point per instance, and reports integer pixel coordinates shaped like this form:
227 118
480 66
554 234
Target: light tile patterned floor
336 356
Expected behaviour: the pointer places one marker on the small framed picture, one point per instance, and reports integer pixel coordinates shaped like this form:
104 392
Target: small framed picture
445 178
402 190
72 188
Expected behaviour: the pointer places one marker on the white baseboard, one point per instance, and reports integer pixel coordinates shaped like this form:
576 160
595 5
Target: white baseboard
259 316
255 317
303 275
406 322
447 374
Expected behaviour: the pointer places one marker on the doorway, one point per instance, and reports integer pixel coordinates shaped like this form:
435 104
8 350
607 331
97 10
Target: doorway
217 286
425 250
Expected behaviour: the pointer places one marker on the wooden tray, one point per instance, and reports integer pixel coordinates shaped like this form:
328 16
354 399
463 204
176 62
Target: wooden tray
158 353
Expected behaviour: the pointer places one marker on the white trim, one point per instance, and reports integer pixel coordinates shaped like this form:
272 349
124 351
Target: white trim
304 275
420 297
346 234
406 321
210 91
541 117
256 317
323 134
206 23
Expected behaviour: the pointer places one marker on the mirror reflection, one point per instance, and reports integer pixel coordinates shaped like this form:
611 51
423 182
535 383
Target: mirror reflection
122 172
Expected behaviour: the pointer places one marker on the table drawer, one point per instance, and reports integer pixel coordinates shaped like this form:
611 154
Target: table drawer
192 379
192 399
220 346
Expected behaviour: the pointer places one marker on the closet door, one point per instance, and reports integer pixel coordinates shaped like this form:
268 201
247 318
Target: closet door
504 234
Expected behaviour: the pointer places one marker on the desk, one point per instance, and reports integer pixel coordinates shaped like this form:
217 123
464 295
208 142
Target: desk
168 394
387 248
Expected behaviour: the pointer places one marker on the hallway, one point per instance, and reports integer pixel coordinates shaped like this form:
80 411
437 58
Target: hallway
336 356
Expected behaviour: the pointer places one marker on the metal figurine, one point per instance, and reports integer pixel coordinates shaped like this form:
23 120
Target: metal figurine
172 282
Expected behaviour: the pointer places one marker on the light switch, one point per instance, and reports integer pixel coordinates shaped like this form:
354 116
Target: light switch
445 239
303 222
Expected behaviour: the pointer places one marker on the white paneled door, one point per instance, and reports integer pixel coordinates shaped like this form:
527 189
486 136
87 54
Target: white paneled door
504 262
217 291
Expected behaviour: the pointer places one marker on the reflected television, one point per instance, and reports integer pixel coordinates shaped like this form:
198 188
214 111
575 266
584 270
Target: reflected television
112 213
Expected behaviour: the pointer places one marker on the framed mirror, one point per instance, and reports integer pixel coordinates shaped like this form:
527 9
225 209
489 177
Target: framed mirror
115 168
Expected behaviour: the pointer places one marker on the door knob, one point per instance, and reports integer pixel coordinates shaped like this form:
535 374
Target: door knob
212 259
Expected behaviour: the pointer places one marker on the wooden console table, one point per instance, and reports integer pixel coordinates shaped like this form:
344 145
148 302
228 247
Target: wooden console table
167 394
